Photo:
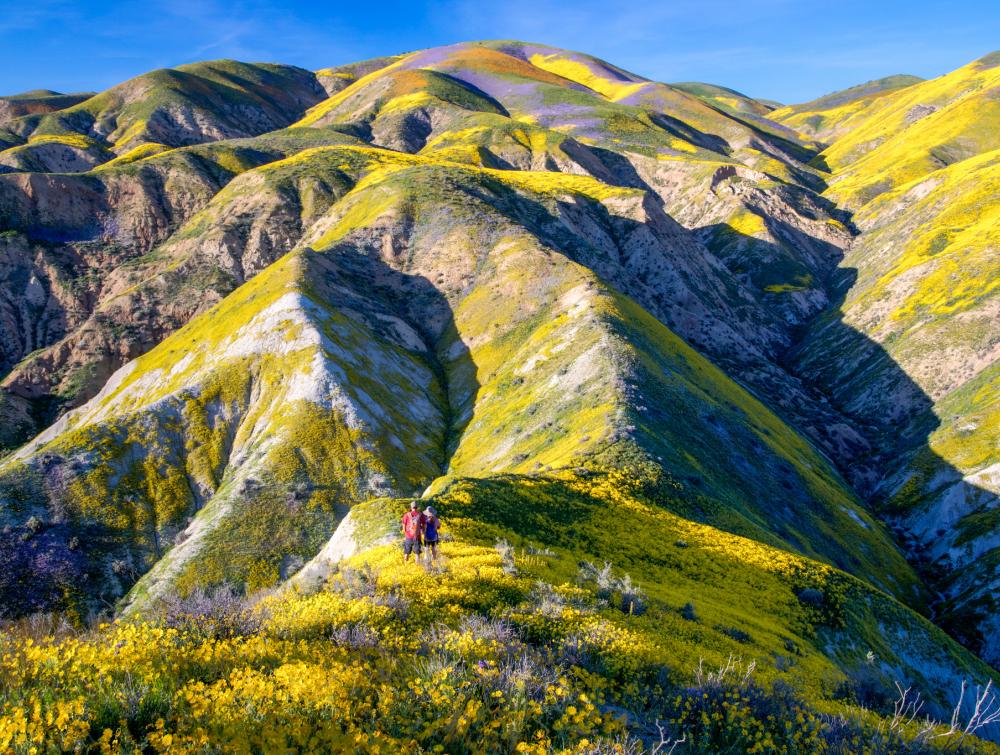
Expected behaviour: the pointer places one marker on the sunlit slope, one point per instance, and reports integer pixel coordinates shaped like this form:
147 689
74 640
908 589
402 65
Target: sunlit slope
925 288
700 112
266 417
701 584
637 397
335 78
171 107
828 117
497 646
90 313
637 522
565 364
916 130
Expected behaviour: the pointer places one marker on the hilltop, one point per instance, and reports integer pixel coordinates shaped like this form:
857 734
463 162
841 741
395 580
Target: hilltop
831 115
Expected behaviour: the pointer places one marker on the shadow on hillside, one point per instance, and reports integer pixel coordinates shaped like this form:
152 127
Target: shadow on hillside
686 132
859 380
421 305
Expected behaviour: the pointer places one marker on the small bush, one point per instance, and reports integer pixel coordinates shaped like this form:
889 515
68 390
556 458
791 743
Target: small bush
632 599
356 583
737 634
217 613
506 551
355 637
499 631
546 601
42 625
620 592
810 596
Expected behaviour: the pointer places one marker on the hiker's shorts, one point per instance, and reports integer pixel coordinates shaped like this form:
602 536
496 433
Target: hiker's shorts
411 545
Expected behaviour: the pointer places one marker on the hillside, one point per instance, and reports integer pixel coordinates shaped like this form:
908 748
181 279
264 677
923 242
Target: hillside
249 312
920 284
914 131
835 114
37 102
167 108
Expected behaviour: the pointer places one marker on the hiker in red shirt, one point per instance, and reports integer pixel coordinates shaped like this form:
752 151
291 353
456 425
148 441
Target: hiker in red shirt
414 523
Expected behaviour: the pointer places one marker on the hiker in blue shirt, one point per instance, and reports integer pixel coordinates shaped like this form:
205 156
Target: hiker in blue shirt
432 533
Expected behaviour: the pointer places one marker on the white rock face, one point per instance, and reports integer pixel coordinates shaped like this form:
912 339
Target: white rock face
342 545
34 292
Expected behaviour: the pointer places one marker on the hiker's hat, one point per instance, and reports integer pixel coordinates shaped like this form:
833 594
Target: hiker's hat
430 511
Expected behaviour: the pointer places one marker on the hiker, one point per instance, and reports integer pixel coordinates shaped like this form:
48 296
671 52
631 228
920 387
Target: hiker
432 533
413 532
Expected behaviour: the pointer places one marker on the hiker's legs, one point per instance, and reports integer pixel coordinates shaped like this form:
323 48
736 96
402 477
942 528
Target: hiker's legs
409 546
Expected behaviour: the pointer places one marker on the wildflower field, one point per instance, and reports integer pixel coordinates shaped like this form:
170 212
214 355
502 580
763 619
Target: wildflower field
505 644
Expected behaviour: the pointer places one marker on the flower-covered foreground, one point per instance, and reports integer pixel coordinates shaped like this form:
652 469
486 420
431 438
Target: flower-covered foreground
507 643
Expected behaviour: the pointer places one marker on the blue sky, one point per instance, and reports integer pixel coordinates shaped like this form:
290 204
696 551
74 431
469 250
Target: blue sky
789 50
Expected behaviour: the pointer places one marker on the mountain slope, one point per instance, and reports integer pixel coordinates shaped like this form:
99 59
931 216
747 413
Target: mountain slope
169 108
339 376
724 98
525 128
90 313
36 102
612 361
592 314
920 284
836 113
913 131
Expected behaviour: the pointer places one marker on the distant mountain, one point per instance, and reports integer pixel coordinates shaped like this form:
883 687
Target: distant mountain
167 108
36 102
914 131
245 306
